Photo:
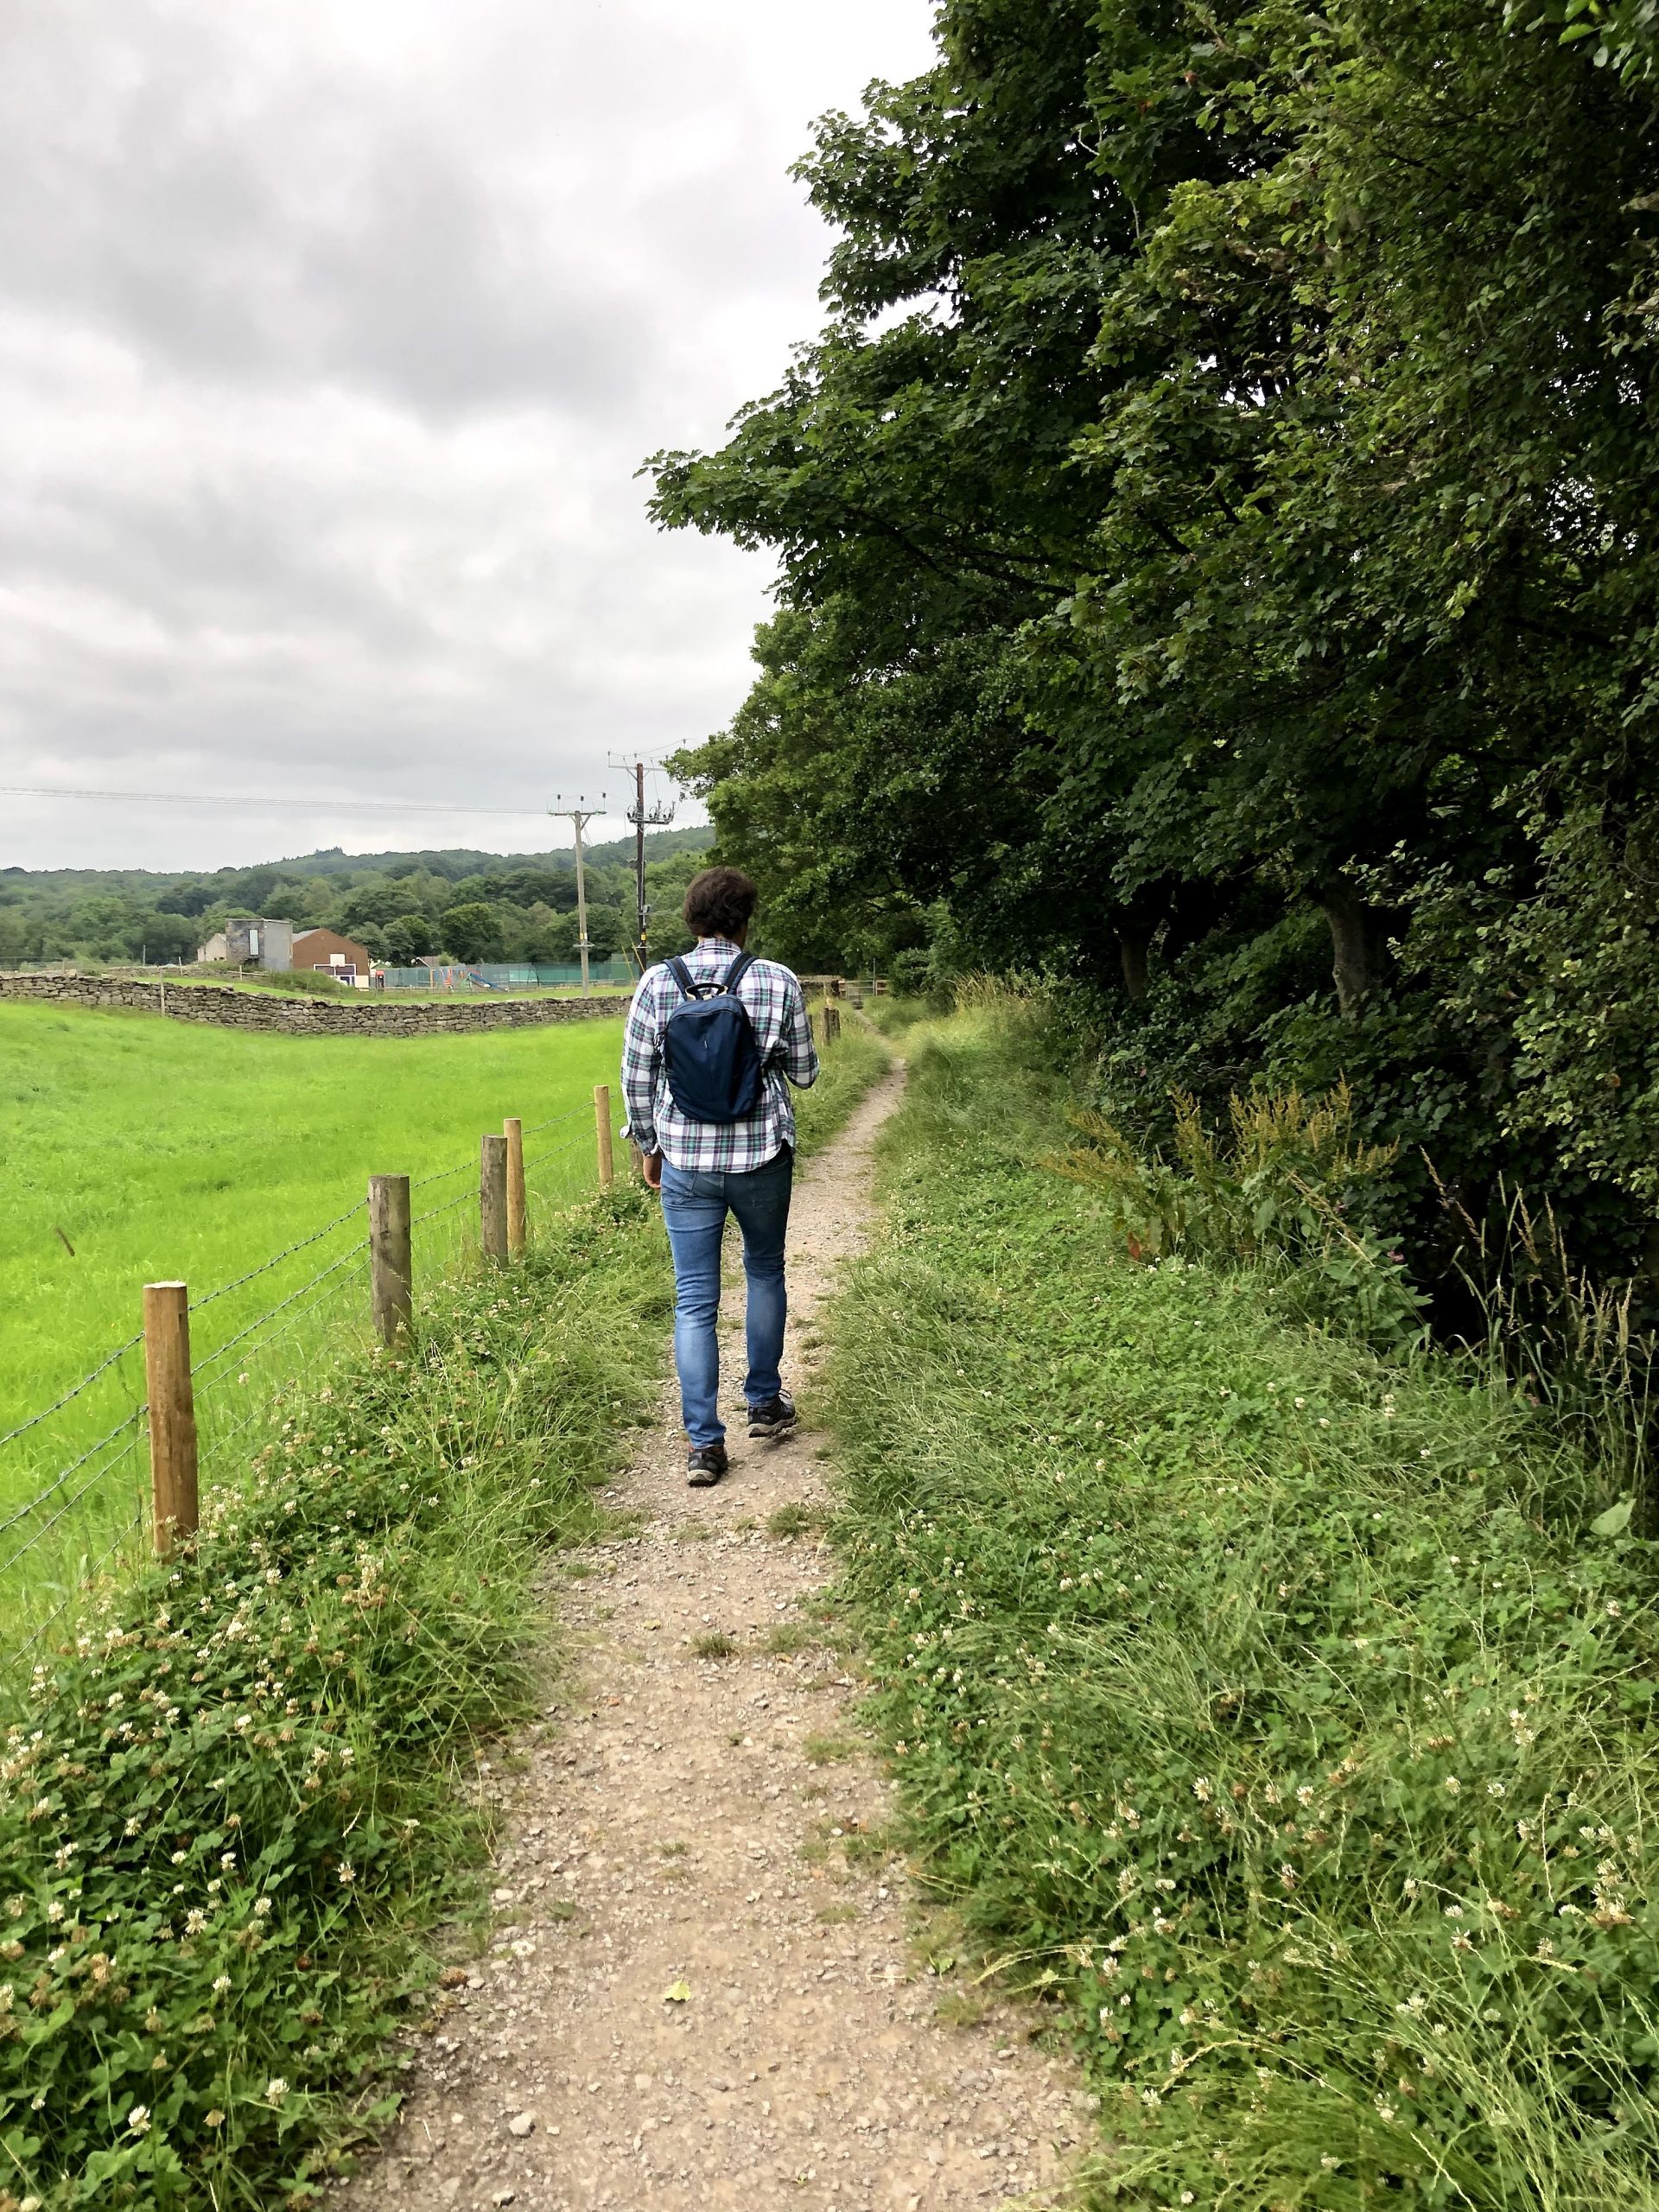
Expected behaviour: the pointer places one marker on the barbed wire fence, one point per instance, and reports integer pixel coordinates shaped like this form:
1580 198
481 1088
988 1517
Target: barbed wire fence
76 1475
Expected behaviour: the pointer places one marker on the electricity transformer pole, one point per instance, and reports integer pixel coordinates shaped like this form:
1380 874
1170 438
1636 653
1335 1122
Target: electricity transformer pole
655 817
580 818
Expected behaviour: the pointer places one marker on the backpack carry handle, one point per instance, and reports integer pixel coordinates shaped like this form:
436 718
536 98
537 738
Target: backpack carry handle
690 988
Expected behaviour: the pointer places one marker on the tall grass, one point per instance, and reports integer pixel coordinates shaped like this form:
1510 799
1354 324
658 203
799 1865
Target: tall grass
1272 1710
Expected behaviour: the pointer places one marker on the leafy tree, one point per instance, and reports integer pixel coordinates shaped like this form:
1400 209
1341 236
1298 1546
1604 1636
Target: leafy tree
472 931
1218 532
407 938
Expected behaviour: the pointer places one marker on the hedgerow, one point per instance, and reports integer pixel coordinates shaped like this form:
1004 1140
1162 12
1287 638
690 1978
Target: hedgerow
229 1813
1276 1711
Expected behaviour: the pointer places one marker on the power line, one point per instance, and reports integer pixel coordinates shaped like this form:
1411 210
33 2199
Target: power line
256 799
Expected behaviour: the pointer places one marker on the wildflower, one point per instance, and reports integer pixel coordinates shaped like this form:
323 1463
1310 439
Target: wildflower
262 1907
347 1874
138 2120
1452 1785
214 2118
221 1983
1201 1790
1151 2099
276 2089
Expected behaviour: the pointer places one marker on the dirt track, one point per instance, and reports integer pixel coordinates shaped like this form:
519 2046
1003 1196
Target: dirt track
702 1990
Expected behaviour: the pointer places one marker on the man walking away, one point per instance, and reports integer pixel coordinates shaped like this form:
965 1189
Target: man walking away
714 1040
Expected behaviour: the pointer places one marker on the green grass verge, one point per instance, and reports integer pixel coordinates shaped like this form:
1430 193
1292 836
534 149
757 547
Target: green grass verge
1273 1712
229 1813
847 1068
230 1807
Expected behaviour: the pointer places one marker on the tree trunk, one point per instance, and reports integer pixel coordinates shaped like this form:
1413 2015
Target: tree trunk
1355 944
1132 957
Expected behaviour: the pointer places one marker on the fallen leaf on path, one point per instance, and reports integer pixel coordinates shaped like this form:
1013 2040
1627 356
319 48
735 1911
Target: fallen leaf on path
676 1993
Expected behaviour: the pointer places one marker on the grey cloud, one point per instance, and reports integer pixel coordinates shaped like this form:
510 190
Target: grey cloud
331 338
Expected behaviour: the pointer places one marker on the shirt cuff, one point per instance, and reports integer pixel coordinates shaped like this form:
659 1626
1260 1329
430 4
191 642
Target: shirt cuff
645 1139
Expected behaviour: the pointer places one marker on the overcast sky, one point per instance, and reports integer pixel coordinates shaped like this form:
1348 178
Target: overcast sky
332 336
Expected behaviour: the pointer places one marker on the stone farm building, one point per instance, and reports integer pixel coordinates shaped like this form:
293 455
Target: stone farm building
247 938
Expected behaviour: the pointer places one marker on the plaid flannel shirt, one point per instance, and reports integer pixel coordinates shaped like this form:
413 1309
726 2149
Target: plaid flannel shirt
776 1007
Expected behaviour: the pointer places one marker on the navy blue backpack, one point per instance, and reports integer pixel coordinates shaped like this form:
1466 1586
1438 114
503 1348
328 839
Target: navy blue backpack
710 1051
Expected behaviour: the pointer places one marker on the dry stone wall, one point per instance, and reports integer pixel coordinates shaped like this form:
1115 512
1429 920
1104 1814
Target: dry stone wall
224 1009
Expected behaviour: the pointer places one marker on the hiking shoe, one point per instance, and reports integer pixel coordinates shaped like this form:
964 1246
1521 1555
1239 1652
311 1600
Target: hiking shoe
705 1465
774 1419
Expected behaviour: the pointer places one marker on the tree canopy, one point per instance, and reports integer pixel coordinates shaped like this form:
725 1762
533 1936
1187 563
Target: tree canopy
1217 550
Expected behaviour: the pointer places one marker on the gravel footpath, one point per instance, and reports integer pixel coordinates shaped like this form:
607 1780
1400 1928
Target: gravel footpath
703 1989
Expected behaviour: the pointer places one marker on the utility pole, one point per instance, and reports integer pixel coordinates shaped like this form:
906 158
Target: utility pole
580 817
655 817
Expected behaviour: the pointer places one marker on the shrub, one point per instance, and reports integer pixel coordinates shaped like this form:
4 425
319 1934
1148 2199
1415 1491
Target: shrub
1280 1192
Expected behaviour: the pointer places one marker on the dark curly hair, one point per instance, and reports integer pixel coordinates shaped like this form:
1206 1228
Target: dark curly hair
719 902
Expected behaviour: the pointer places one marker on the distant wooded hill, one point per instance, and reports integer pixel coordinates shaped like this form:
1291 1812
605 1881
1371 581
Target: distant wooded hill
471 906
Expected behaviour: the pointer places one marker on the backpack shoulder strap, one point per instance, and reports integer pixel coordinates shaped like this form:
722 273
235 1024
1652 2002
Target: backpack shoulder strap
739 968
681 975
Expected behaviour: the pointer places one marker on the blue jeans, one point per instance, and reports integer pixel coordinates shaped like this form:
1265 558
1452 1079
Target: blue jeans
696 1203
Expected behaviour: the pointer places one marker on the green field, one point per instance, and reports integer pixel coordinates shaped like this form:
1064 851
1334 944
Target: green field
155 1150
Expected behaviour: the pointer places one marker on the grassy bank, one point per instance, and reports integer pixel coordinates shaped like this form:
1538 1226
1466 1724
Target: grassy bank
233 1806
1274 1711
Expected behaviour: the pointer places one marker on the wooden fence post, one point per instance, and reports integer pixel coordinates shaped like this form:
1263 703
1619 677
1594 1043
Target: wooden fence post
391 1266
831 1022
602 1135
172 1415
492 1197
517 1212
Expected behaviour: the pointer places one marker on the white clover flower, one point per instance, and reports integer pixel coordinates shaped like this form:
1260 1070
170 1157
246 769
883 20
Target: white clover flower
276 2089
261 1907
221 1983
138 2120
